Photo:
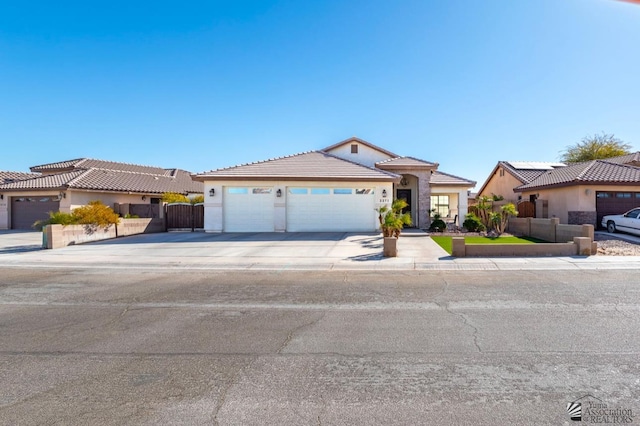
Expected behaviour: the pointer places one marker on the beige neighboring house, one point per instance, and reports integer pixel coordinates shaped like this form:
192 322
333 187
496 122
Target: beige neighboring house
337 188
65 185
507 175
582 193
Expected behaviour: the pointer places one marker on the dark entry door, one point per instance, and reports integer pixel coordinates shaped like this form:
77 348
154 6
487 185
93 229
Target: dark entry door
405 194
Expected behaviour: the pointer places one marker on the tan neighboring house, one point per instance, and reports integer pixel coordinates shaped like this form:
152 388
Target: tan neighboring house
507 175
582 193
63 186
337 188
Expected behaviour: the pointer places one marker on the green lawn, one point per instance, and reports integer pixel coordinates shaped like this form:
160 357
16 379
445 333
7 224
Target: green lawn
446 244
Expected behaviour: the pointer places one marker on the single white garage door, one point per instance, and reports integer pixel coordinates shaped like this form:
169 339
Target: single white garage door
248 209
331 209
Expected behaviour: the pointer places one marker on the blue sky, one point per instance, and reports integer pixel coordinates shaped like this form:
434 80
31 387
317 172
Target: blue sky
203 85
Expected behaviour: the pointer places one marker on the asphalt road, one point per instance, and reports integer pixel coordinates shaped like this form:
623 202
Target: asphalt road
100 346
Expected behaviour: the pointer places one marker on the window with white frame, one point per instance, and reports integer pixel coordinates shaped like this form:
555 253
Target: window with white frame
441 204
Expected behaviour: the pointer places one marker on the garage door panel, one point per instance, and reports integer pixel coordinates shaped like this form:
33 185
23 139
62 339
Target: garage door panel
615 202
248 209
330 209
27 210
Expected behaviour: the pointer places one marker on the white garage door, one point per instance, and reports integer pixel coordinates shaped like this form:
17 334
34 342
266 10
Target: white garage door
331 209
248 209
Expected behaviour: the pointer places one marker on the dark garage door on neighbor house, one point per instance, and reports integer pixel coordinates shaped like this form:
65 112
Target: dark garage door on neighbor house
26 210
615 202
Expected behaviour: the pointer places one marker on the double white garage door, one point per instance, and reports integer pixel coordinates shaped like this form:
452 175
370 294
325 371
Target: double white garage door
252 209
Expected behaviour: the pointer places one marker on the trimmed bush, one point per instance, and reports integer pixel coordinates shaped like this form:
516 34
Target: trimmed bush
95 214
472 223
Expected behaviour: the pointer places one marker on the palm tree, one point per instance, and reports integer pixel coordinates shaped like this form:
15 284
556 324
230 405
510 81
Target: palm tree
392 219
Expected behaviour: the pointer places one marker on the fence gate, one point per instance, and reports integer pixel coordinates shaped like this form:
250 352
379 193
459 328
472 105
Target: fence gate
185 216
145 210
526 209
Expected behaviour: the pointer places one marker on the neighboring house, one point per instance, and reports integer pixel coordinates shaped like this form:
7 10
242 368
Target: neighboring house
507 175
63 186
582 193
338 188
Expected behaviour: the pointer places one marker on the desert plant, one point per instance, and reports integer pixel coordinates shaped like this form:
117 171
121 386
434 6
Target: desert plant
392 219
174 197
95 213
55 218
472 223
502 219
197 199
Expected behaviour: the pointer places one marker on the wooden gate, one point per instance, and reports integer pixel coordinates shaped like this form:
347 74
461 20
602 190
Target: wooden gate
185 216
145 210
526 209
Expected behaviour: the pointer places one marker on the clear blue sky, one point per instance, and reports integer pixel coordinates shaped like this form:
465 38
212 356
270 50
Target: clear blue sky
202 85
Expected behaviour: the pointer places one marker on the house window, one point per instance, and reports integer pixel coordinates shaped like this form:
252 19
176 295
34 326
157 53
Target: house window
364 191
320 191
238 190
298 191
441 204
343 191
354 148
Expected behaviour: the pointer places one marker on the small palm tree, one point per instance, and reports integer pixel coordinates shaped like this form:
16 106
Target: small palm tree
392 219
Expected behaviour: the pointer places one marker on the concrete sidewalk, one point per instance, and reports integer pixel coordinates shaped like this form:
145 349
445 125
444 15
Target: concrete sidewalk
286 251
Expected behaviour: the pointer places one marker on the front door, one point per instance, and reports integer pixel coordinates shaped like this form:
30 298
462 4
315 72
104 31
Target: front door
405 194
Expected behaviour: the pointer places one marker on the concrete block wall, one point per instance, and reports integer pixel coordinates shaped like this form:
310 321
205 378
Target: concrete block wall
580 246
57 236
548 229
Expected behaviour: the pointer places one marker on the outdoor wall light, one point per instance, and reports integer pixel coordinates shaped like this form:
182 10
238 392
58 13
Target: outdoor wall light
212 192
62 195
384 193
1 196
144 197
279 193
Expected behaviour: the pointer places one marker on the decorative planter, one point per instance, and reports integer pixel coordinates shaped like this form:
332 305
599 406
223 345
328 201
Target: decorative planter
390 247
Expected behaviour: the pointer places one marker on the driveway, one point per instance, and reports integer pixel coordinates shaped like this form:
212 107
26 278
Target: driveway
308 250
13 241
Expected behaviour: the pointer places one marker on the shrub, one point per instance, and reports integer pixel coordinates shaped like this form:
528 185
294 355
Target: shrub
472 223
437 225
197 199
55 218
95 213
174 197
131 216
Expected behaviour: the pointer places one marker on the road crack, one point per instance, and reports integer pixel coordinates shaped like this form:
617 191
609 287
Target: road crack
466 322
297 329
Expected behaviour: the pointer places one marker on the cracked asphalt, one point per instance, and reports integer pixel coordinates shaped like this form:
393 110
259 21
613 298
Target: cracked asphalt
109 346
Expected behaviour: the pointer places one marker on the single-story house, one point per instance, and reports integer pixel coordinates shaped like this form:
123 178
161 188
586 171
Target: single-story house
337 188
582 193
63 186
507 175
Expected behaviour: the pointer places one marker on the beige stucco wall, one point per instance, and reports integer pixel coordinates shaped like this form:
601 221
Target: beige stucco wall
366 155
502 185
75 199
573 198
213 206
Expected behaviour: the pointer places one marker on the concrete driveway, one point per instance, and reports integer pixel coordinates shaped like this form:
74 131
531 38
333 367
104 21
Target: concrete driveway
13 241
307 250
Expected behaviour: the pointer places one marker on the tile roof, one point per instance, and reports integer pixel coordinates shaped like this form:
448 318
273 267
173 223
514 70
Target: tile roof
88 163
101 175
406 162
312 165
441 178
632 159
8 177
596 171
54 181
